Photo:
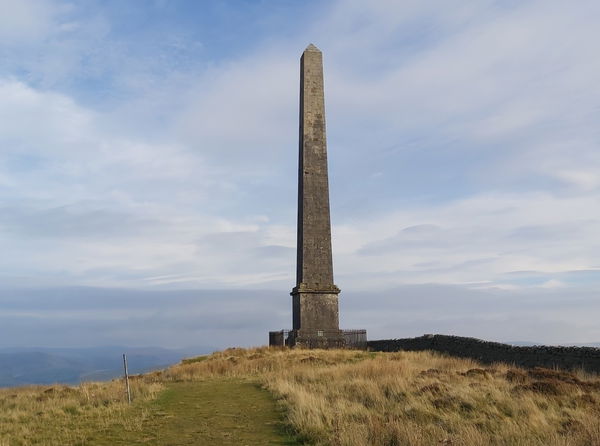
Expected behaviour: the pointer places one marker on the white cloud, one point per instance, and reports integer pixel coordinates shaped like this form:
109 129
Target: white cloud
482 238
553 284
97 208
26 21
479 74
585 179
244 112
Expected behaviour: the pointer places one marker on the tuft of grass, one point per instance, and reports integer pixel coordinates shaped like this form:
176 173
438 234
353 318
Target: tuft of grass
421 398
61 415
194 360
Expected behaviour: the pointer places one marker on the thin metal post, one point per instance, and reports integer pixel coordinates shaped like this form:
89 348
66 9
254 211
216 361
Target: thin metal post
126 378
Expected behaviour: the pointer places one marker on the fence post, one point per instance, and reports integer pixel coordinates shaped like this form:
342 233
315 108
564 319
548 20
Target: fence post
126 378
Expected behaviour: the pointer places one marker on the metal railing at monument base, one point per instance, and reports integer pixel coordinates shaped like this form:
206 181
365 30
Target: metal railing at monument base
279 338
355 339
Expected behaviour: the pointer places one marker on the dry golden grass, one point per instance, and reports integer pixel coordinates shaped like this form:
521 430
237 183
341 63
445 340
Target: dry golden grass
65 415
414 398
341 397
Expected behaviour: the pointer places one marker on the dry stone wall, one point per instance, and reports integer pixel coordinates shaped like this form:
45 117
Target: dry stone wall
587 358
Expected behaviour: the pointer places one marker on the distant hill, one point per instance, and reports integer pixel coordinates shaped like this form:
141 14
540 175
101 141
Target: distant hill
73 365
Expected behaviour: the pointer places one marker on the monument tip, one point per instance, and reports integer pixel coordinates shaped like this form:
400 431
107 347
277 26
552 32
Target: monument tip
311 47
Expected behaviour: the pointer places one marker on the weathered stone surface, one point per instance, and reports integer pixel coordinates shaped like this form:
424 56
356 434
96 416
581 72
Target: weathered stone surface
314 267
315 297
315 311
307 338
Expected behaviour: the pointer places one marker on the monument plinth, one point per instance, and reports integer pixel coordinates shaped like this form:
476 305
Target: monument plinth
315 296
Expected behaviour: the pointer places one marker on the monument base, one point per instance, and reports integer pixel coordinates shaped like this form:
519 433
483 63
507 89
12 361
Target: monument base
313 338
315 308
353 339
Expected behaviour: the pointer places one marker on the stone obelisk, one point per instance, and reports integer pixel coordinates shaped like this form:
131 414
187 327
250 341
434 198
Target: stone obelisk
315 296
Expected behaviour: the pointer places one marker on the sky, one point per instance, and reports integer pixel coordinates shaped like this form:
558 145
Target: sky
148 156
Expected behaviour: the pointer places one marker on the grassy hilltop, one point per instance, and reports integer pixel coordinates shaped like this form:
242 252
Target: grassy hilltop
273 396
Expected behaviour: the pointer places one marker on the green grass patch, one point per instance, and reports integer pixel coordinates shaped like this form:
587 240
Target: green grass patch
195 359
212 412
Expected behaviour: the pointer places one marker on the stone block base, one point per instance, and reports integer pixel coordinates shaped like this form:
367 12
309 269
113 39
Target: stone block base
315 310
313 338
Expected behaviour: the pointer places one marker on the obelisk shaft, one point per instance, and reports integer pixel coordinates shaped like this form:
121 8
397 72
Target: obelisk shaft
315 297
314 267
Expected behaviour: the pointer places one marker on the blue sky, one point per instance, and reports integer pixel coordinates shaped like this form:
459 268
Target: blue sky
151 147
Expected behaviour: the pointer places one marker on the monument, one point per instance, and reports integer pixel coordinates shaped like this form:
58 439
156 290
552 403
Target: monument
315 321
315 297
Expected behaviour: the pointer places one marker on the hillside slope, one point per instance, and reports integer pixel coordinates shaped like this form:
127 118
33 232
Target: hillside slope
328 397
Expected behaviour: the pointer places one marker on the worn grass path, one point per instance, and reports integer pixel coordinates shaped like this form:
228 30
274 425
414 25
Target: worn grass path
214 412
